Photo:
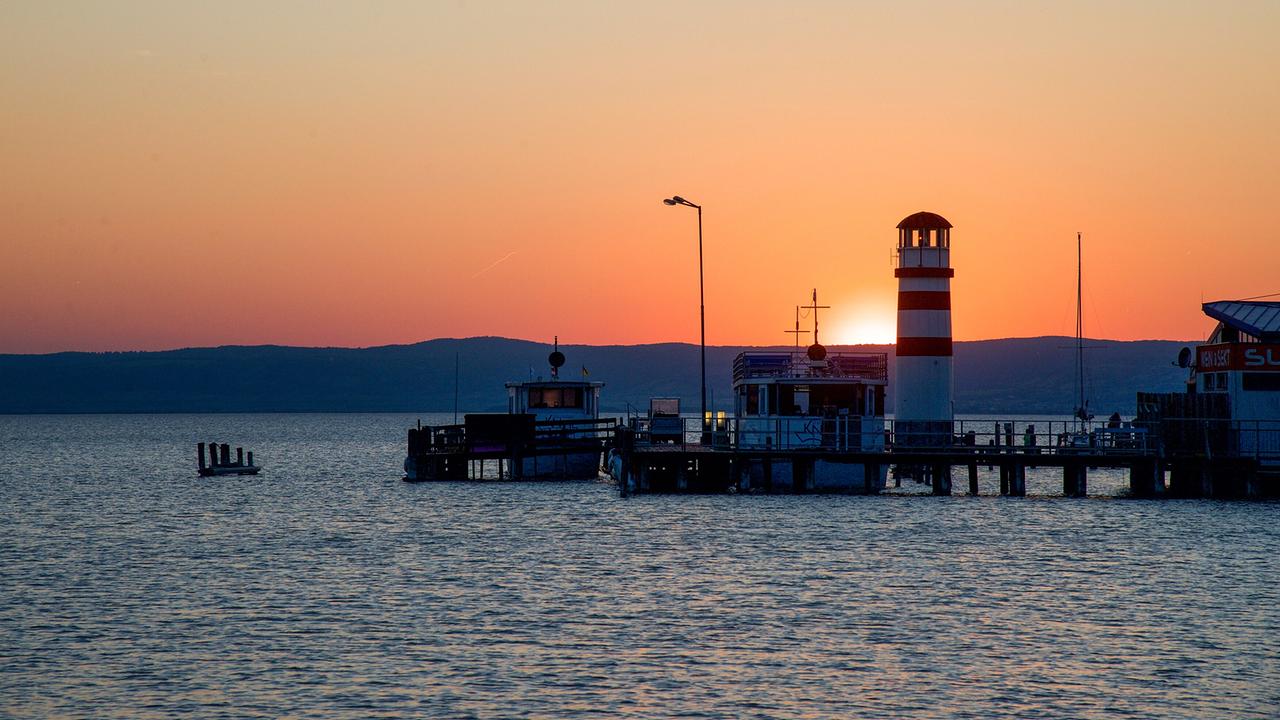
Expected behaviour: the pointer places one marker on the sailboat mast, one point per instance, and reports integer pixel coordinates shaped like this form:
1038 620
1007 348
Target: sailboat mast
1080 411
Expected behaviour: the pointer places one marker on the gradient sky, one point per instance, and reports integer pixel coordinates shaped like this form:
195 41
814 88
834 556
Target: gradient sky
176 174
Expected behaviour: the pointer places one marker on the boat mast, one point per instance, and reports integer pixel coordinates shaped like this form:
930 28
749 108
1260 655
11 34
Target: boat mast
797 331
815 307
1080 408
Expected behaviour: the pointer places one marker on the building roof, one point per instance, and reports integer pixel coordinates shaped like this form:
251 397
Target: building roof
923 221
1259 319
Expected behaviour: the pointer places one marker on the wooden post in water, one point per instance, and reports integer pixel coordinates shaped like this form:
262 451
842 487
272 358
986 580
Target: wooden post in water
871 478
1004 479
225 452
1018 480
941 477
1074 480
973 478
213 455
200 454
240 456
250 457
1146 479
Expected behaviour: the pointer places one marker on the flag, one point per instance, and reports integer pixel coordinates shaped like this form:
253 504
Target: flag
584 371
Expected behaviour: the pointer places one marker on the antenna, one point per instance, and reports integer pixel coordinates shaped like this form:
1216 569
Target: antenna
815 307
797 331
556 359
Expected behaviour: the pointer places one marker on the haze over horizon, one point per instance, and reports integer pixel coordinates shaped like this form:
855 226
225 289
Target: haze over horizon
342 175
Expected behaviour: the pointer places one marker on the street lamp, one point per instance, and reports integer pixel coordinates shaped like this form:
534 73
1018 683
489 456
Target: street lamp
702 307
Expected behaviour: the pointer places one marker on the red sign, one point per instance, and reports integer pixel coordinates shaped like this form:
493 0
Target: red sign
1250 356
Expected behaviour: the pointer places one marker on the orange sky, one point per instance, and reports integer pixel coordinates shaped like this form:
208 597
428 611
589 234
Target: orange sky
350 173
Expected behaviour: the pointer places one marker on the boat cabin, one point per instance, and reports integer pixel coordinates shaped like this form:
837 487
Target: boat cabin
555 399
810 399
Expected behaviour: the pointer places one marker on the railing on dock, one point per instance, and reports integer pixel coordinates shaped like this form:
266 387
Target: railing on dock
1258 439
851 433
1209 438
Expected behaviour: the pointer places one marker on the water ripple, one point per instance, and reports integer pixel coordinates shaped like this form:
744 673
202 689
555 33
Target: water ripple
327 588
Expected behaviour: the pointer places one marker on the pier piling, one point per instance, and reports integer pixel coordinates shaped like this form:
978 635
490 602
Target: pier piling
1017 479
941 478
200 454
973 478
1146 479
1075 480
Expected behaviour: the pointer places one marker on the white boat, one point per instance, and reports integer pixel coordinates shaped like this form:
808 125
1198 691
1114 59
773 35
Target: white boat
552 429
813 400
565 413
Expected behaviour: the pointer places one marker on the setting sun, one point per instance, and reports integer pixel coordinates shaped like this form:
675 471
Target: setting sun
868 327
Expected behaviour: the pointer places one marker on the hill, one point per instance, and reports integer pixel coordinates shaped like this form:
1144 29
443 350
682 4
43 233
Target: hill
1025 375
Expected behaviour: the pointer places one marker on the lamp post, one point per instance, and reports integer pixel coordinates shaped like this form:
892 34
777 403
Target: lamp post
702 307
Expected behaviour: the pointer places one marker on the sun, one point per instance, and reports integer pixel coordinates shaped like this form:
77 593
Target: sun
867 329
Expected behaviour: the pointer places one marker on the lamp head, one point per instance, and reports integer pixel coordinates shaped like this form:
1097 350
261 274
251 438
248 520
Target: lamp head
680 200
669 201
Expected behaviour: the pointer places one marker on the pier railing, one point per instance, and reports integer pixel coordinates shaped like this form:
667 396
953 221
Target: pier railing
869 434
1209 438
1258 439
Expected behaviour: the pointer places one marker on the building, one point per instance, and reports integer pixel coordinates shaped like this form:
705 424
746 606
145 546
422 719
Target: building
923 393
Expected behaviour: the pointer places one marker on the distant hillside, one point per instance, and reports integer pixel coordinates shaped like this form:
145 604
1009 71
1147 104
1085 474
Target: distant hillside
1030 375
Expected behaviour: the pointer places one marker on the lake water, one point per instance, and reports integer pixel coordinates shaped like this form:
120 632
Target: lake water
326 587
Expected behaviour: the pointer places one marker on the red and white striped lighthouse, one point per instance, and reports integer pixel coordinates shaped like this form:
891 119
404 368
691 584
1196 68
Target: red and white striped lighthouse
923 384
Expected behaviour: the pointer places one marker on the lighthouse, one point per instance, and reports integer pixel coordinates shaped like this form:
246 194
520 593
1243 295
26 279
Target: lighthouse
923 384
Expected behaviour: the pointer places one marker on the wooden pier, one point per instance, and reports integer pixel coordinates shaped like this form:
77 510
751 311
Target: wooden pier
724 465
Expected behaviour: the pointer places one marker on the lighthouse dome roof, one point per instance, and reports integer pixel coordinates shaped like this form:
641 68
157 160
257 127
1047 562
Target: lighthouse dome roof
923 221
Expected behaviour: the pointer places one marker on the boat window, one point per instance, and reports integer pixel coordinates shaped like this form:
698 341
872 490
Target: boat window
800 403
1261 382
543 398
753 400
833 399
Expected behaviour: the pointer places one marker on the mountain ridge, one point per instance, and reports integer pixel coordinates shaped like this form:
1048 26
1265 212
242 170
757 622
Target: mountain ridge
1008 375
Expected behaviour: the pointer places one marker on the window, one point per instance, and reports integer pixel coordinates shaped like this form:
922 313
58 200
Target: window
547 398
1261 382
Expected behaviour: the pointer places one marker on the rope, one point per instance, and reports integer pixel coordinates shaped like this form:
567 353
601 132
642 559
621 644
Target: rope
1259 297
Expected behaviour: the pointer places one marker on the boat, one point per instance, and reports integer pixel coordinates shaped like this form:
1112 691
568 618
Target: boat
800 420
828 402
552 430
